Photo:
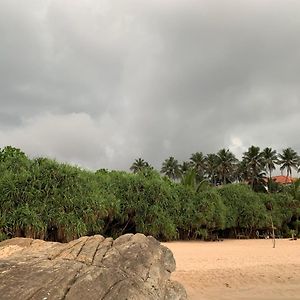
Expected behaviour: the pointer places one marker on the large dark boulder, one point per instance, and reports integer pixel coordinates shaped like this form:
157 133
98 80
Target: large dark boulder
130 267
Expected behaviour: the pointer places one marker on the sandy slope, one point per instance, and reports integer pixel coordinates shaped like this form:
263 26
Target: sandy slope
238 269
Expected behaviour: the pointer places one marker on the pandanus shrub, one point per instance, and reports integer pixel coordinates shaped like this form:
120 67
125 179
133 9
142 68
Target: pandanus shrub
245 212
146 203
41 198
209 214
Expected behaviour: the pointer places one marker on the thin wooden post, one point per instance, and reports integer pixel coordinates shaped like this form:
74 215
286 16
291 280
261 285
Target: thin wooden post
273 231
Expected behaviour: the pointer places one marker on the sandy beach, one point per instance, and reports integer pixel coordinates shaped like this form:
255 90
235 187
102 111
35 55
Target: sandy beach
238 269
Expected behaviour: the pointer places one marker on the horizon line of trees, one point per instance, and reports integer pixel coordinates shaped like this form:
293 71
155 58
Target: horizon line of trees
223 167
42 198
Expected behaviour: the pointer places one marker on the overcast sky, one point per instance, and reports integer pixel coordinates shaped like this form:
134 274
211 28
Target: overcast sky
101 82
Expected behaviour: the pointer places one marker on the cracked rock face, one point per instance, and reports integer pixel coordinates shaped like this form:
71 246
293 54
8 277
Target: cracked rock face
130 267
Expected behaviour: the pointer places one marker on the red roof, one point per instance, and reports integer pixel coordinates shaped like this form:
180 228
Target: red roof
284 179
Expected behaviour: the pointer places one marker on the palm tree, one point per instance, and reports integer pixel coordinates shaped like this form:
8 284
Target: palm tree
226 162
139 165
185 167
211 163
170 168
198 164
189 179
270 158
288 160
253 161
241 172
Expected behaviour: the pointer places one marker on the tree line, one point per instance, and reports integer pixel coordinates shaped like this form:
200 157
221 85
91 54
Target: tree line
256 166
42 198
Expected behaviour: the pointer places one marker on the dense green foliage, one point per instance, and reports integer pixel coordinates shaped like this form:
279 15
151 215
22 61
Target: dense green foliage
42 198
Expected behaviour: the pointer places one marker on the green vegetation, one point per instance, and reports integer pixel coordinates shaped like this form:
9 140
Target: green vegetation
209 196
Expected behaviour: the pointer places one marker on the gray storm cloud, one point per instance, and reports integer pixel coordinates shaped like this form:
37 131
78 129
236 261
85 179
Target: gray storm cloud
100 83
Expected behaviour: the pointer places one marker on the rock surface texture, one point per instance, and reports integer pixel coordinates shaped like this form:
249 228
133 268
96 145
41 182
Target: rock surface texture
130 267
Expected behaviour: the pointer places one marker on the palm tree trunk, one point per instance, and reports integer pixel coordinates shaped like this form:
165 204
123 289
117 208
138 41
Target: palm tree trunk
270 172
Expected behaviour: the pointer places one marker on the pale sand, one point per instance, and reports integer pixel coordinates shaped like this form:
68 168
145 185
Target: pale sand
238 269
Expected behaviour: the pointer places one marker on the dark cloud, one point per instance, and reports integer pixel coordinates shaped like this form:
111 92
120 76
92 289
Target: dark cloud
100 83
